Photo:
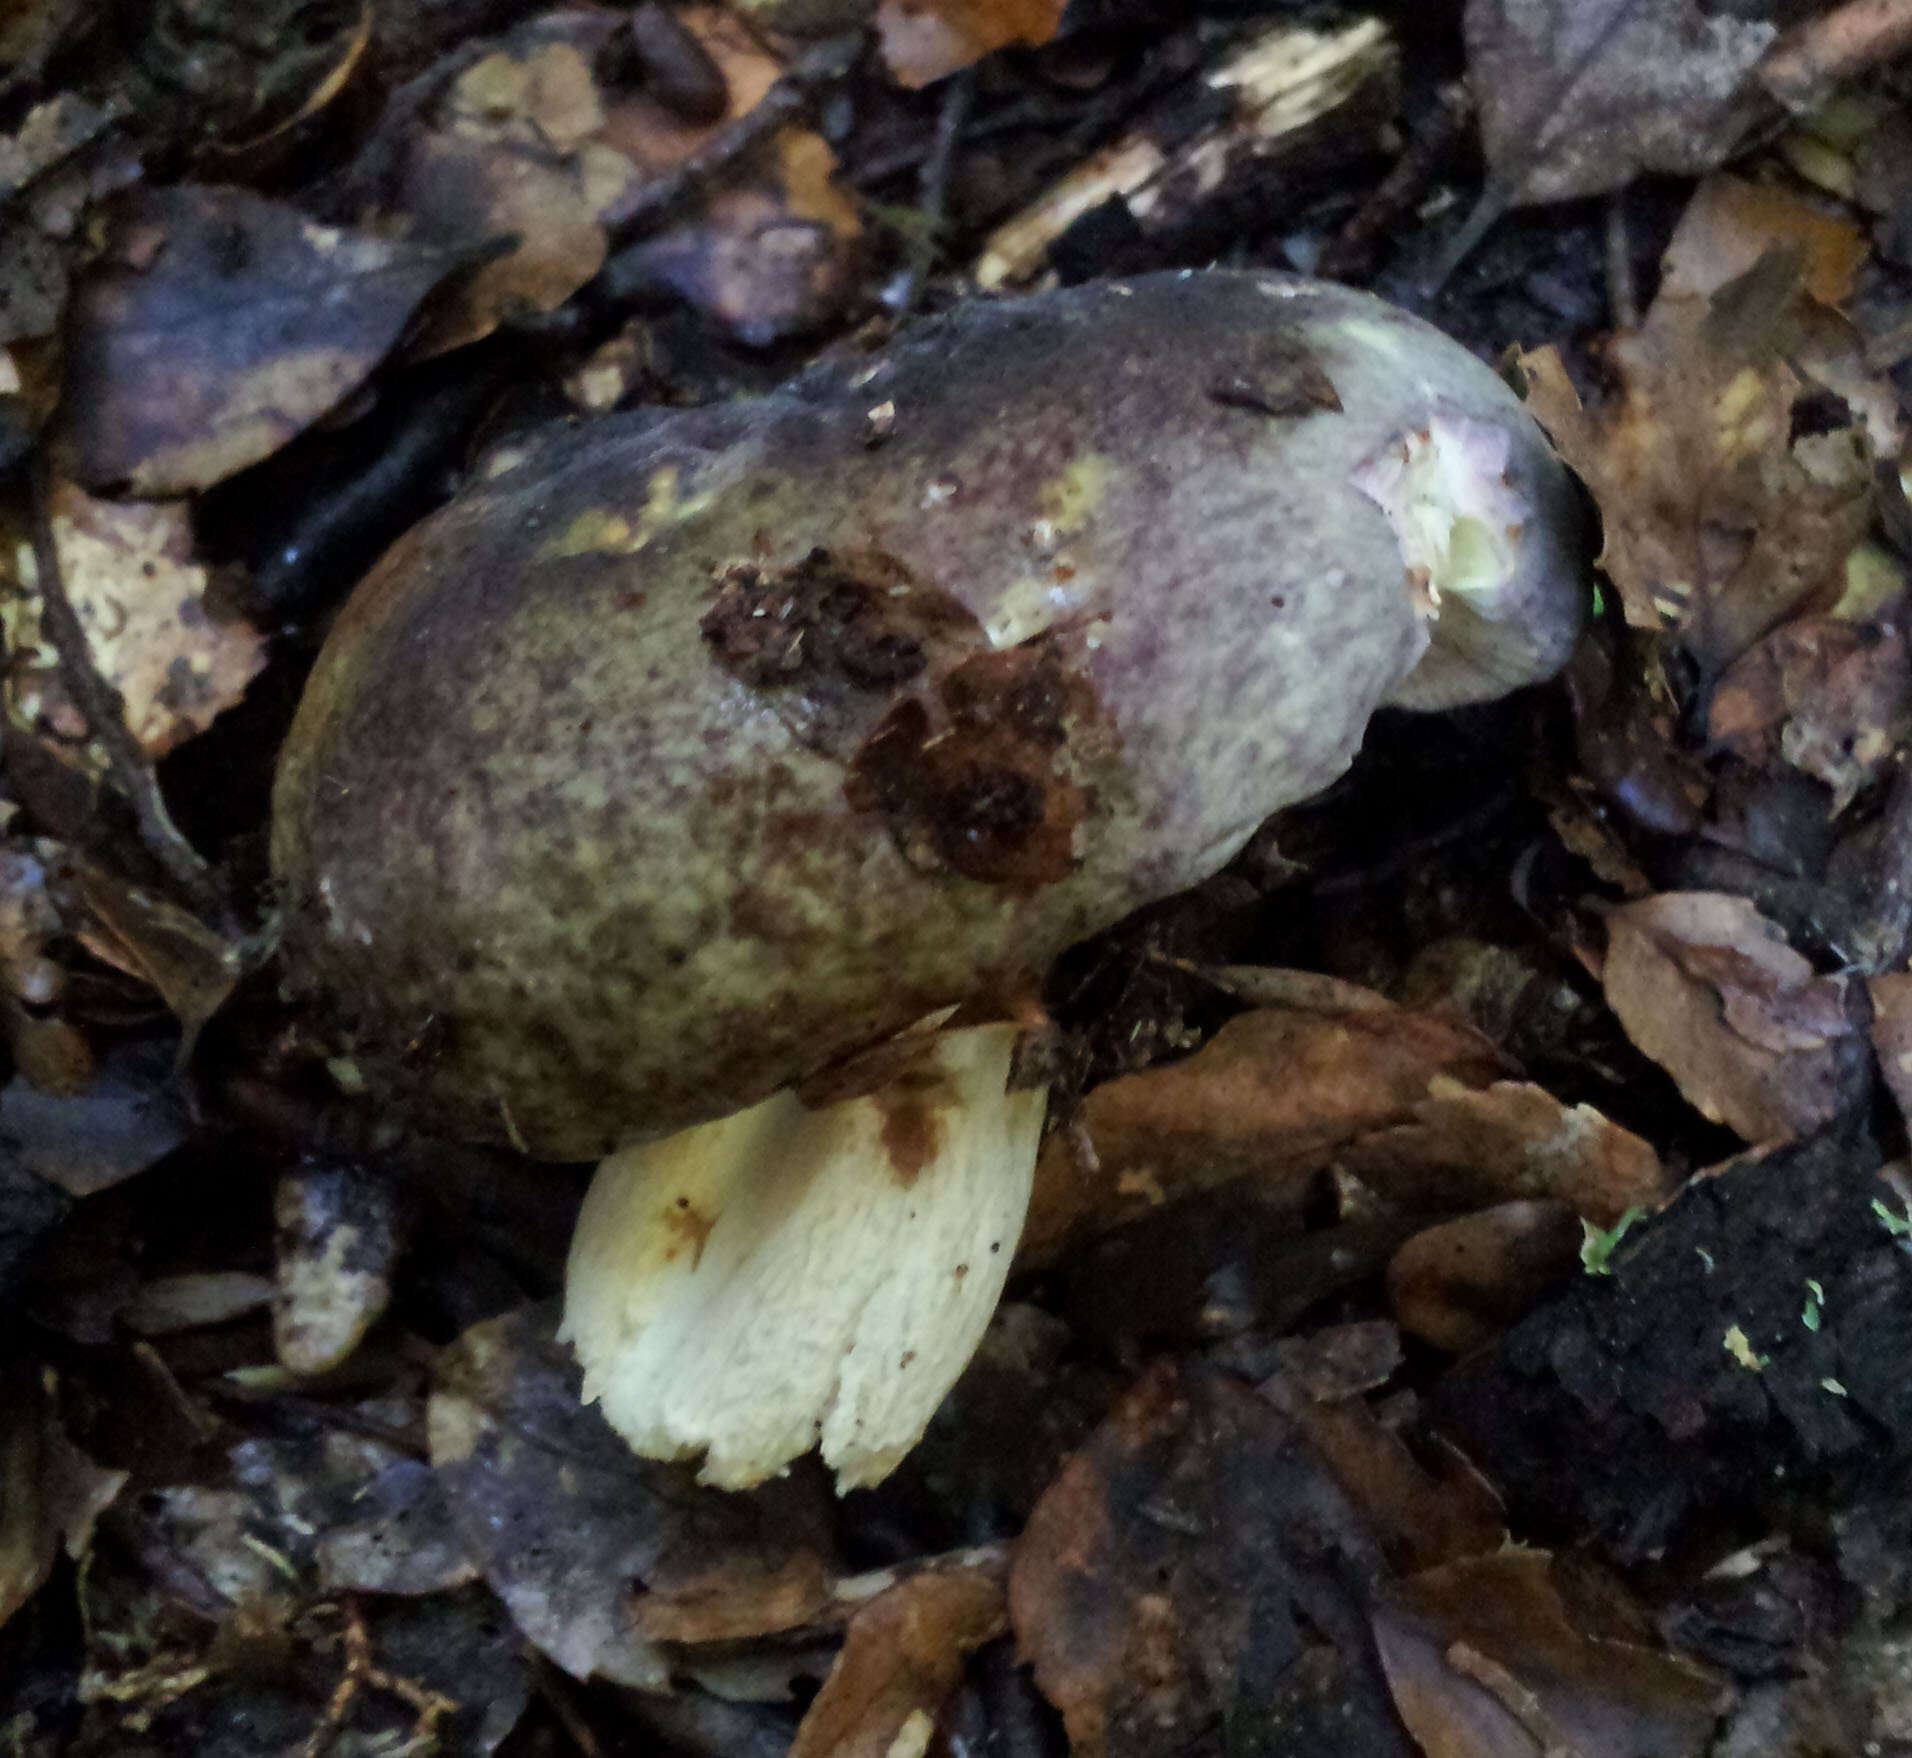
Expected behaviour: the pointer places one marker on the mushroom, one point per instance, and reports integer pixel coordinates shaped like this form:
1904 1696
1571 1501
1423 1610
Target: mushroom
710 791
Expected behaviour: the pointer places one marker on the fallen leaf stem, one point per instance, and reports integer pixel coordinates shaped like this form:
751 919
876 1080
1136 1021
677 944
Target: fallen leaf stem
104 710
793 95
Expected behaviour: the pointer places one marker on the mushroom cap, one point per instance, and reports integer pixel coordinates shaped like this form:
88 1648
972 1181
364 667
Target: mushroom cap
696 752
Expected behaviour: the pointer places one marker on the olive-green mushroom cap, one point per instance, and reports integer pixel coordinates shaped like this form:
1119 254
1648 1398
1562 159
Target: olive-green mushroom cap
699 750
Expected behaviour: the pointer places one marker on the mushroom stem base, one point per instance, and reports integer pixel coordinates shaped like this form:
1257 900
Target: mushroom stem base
790 1277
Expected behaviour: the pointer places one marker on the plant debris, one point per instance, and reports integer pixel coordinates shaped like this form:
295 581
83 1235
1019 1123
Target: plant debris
1465 1304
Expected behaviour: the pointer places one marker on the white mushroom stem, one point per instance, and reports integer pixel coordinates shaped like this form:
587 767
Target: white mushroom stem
792 1276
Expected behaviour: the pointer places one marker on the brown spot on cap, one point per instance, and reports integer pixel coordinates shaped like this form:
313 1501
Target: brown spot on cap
974 779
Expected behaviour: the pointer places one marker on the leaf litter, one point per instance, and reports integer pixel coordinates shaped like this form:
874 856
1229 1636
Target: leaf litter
1467 1276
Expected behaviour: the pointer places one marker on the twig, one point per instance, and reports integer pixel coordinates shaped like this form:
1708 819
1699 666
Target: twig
104 711
933 188
1623 294
793 95
1820 52
362 1674
1353 251
561 1699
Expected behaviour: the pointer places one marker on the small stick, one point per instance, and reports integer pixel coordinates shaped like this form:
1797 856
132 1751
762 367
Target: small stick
933 188
1820 52
793 95
1623 296
104 711
1352 253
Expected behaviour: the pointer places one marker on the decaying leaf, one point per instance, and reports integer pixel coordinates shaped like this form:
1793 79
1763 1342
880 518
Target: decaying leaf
536 154
1578 99
1273 1097
1195 1574
50 1492
1459 1283
1489 1656
1341 1361
902 1655
127 1116
129 569
771 256
1724 509
566 1522
49 1051
63 157
1424 1508
1708 987
1831 697
923 40
218 325
1892 1034
397 1538
191 967
1730 223
1467 1148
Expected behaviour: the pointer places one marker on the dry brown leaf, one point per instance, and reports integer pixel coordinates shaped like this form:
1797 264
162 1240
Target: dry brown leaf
1578 99
772 254
50 1492
1730 223
64 157
925 40
1707 987
129 570
1459 1284
190 966
1273 1096
1467 1148
1341 1361
515 155
1425 1510
1192 1560
1488 1656
217 326
736 1598
902 1656
567 1522
1892 1035
1719 522
1830 697
532 145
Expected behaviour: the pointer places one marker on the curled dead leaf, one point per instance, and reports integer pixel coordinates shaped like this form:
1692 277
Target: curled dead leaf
1723 514
217 326
925 40
902 1656
1489 1656
1467 1148
1708 987
1460 1283
1575 100
1274 1096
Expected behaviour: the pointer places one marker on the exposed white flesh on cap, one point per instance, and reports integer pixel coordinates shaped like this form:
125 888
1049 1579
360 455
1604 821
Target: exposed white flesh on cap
1485 540
787 1276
